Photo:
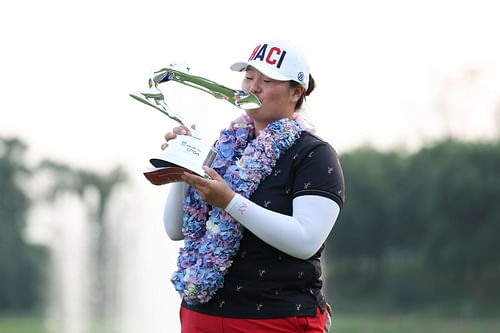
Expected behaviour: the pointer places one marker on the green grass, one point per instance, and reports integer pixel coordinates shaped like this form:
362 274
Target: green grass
342 323
21 324
349 323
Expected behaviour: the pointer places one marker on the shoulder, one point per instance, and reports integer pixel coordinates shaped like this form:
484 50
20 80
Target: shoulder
309 142
309 137
316 169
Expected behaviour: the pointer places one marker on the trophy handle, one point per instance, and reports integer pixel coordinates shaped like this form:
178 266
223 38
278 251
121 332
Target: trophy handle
238 98
157 101
155 98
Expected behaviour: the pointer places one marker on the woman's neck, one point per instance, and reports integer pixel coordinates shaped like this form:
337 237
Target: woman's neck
258 127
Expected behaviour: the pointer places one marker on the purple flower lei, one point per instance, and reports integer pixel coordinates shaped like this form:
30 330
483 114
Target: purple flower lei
212 236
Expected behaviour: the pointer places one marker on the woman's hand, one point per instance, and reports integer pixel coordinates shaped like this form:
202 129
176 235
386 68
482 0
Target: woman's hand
213 190
179 130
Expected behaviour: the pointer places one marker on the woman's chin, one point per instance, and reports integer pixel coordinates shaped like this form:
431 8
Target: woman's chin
253 112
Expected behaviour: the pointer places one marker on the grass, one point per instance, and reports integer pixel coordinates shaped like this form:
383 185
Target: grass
342 323
22 324
349 323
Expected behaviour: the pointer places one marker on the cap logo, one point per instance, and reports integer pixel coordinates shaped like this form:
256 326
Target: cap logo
274 56
300 76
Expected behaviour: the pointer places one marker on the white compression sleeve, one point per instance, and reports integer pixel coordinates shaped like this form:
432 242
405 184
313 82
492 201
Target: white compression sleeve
172 212
300 235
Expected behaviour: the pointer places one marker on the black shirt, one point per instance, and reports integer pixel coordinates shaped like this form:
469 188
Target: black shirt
264 282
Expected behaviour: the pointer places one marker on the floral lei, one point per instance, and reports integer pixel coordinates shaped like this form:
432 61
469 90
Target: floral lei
212 236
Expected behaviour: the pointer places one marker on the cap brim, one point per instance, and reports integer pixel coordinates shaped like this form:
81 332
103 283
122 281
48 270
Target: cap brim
264 69
239 66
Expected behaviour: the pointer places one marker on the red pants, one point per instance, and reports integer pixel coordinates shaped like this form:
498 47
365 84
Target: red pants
195 322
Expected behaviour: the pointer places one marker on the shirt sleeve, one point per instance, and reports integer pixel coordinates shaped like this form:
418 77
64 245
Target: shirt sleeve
319 173
300 235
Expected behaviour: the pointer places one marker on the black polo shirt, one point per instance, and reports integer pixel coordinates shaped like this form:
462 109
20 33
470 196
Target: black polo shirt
264 282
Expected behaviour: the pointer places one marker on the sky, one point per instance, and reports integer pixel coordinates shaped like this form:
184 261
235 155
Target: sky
390 73
382 67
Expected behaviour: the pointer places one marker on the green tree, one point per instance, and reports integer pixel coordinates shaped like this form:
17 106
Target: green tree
419 227
21 264
459 205
364 231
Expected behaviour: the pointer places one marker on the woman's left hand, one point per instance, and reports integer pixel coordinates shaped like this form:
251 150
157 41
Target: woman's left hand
213 190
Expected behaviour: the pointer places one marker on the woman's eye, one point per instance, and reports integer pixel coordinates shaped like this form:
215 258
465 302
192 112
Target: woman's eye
248 78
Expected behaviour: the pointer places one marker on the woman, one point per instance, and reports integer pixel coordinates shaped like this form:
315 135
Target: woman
254 229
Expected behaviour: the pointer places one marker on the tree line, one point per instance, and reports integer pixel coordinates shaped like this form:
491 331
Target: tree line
21 264
419 228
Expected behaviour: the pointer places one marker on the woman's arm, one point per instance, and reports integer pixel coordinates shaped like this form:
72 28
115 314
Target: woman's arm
300 235
172 213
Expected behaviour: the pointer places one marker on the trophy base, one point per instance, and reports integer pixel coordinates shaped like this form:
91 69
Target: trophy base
183 154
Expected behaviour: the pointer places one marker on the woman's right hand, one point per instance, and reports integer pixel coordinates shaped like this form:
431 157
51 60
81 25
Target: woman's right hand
179 130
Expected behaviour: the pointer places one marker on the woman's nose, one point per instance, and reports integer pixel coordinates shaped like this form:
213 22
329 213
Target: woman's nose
255 87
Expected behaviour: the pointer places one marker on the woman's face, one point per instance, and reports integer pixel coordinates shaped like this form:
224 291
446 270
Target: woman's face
277 98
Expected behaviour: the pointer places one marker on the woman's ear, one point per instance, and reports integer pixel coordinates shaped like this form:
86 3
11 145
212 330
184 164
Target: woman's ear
297 92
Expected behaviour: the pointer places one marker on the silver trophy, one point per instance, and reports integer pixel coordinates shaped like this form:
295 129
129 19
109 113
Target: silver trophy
185 153
179 73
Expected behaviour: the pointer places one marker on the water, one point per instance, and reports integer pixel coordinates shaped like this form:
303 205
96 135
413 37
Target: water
139 258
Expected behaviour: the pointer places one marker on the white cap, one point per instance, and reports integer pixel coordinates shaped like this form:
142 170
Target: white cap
278 60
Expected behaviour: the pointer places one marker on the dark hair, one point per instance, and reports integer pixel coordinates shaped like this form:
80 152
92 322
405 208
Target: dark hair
309 90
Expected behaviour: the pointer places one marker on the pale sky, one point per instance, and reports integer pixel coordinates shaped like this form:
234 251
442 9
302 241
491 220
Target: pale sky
67 68
382 68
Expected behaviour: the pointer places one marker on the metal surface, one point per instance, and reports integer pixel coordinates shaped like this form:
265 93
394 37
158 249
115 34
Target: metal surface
179 73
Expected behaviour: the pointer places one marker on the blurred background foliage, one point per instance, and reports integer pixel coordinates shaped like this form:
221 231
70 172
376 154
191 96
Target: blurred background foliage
24 267
21 264
419 229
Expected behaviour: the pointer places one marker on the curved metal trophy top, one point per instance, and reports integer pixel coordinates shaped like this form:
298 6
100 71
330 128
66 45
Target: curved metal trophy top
178 73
